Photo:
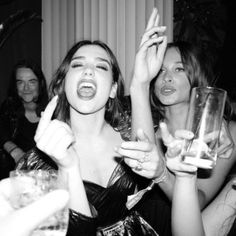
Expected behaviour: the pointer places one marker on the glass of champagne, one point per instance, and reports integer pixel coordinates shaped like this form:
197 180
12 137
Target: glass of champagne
28 186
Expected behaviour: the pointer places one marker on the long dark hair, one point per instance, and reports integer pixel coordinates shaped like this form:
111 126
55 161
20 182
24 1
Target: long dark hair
114 107
13 96
196 70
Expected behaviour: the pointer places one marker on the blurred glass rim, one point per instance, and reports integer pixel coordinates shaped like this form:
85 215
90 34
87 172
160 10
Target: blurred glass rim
210 89
40 172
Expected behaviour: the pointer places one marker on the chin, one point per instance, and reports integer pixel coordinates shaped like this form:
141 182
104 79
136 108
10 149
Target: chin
28 100
167 102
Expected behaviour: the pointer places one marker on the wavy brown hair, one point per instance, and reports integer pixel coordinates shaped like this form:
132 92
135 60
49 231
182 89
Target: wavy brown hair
114 107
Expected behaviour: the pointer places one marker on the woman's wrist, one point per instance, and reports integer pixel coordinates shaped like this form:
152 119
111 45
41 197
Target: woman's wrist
186 178
16 153
12 149
137 85
162 176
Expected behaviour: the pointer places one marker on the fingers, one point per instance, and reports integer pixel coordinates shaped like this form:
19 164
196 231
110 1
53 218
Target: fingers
5 187
157 18
56 139
167 138
153 32
184 134
152 21
5 193
46 118
174 151
25 220
134 146
180 168
162 47
45 207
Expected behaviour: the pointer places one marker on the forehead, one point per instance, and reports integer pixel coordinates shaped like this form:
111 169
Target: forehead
24 73
92 51
173 55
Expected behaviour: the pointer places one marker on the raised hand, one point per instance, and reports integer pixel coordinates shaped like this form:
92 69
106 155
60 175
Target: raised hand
142 156
151 51
55 137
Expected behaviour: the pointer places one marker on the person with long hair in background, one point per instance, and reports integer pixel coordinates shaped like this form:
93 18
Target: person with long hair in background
20 112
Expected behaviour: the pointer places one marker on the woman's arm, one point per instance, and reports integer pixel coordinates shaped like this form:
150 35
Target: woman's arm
219 216
12 149
56 139
186 214
148 62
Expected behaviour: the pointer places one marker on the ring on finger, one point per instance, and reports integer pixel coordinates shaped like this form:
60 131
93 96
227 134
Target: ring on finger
145 157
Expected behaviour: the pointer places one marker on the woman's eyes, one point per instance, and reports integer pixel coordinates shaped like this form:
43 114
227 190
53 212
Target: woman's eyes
75 65
102 67
33 82
30 82
98 66
176 69
179 69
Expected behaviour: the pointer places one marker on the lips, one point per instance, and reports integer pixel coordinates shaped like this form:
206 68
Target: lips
86 89
167 90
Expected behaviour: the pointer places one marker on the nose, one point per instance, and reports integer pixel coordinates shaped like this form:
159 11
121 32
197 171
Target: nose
26 86
89 70
168 77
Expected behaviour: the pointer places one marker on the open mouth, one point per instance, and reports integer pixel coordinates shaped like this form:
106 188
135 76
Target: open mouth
86 89
167 90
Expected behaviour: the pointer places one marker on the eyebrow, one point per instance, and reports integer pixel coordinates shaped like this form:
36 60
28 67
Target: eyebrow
97 58
179 62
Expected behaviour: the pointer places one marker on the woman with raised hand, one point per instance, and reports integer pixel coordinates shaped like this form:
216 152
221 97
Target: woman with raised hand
171 75
83 129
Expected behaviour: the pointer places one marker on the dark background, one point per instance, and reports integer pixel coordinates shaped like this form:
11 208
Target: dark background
211 25
24 42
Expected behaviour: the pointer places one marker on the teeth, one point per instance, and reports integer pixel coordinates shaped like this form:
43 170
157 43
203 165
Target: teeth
87 85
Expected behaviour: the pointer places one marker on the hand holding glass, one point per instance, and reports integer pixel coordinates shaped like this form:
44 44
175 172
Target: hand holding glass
29 186
204 120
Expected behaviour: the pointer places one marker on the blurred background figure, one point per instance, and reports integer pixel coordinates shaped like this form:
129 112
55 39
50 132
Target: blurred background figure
20 113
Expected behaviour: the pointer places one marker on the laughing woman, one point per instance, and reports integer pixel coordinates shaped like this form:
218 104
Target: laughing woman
83 130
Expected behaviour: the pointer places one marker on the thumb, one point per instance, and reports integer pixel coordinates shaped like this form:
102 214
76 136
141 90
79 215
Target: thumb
44 207
167 138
